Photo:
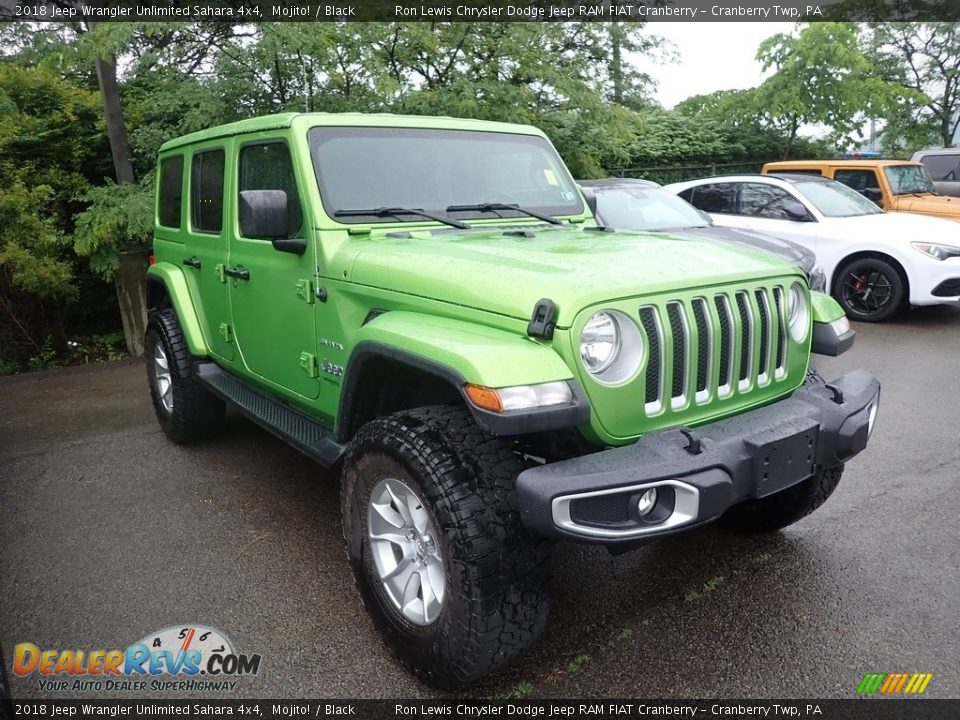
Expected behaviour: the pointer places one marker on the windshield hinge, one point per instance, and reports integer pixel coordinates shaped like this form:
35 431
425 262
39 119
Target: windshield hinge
542 321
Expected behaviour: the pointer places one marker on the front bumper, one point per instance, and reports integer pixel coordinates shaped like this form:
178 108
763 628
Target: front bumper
700 473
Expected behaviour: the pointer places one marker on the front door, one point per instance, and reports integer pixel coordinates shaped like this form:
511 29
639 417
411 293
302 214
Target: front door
271 292
863 181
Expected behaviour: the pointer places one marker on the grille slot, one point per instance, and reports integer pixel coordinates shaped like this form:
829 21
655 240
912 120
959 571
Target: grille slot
746 346
766 330
681 352
651 326
704 345
781 356
726 344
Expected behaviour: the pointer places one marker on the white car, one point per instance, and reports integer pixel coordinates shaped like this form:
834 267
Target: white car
874 261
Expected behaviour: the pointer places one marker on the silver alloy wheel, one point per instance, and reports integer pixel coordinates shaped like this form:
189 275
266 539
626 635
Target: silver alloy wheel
406 551
161 373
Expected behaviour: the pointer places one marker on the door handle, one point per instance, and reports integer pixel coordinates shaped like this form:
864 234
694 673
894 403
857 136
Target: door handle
235 272
192 262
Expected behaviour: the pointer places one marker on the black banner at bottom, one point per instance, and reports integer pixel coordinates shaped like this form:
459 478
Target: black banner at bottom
854 709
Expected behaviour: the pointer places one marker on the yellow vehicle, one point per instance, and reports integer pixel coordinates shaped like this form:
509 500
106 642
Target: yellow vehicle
895 185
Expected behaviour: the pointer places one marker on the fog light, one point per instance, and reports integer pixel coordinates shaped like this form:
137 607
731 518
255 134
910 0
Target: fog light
647 502
872 418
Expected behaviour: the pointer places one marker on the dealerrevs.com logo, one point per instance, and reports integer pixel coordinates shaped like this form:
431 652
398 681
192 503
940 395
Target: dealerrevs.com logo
181 658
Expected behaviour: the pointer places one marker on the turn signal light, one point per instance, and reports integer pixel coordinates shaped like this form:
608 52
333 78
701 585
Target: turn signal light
484 397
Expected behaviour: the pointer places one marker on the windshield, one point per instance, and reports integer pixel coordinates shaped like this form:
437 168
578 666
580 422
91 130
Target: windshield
646 208
906 179
363 168
833 199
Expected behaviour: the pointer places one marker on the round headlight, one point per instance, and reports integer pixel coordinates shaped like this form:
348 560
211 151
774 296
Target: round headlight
611 347
600 342
798 312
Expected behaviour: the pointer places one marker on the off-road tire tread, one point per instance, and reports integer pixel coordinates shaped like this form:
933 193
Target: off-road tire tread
500 605
197 414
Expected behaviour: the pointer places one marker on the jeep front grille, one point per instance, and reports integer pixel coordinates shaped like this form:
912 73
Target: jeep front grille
713 346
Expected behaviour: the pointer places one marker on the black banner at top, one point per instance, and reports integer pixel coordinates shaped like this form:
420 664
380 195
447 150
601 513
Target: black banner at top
478 10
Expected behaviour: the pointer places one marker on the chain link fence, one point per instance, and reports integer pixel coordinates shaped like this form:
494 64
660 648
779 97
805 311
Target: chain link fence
678 173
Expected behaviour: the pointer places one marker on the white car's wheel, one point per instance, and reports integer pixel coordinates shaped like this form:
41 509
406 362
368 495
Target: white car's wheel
869 289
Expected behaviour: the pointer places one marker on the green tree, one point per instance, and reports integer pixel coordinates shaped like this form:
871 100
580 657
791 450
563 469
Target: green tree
738 108
821 76
925 59
52 145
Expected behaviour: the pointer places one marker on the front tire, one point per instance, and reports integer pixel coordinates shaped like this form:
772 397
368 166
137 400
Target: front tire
786 507
429 495
869 289
186 410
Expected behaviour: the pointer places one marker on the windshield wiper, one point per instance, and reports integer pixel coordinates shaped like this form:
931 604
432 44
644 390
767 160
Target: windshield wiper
494 206
398 211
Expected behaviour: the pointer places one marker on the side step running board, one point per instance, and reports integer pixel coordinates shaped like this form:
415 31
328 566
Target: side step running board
304 433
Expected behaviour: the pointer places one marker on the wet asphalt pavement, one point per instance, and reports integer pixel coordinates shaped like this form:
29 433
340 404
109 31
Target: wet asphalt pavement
109 532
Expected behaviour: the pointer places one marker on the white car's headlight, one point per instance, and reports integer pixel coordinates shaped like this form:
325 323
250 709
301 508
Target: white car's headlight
611 347
936 250
798 312
818 279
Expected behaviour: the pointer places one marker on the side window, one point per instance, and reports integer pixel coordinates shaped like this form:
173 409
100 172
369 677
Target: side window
170 195
864 182
942 167
206 191
859 180
268 167
715 198
764 201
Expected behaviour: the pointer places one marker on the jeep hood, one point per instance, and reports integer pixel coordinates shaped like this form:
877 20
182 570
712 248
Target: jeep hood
491 270
930 204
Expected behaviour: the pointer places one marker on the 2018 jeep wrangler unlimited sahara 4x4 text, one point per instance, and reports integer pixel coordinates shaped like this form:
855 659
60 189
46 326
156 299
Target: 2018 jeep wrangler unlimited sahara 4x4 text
428 302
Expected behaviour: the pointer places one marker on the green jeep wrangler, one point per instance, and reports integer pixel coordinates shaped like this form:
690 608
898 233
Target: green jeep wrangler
429 303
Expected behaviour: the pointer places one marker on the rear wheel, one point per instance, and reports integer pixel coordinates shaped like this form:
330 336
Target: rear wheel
869 289
449 575
186 410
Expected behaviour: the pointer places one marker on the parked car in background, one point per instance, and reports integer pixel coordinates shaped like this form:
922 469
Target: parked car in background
875 262
895 185
630 204
943 164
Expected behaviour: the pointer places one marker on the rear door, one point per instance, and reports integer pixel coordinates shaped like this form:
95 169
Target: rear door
205 250
271 292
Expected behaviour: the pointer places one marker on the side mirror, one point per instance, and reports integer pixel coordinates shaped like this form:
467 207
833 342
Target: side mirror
874 195
263 215
796 211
